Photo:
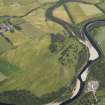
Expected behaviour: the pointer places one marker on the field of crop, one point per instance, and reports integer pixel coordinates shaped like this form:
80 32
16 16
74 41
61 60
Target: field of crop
81 12
39 21
62 14
78 12
17 38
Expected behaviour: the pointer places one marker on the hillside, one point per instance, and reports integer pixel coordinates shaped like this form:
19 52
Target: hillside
39 59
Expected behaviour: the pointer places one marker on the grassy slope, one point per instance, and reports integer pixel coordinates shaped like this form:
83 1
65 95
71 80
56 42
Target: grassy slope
78 12
62 14
35 62
98 71
33 66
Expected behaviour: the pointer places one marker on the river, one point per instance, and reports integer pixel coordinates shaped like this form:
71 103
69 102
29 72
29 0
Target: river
93 49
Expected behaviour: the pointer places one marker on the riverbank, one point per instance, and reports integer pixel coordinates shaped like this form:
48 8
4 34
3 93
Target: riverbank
93 51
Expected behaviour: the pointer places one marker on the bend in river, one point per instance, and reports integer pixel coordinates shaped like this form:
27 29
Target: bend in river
93 50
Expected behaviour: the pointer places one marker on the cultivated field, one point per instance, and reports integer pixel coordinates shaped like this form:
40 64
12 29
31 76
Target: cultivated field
78 12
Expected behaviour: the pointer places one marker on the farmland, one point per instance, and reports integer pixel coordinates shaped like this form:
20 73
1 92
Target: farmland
78 12
44 59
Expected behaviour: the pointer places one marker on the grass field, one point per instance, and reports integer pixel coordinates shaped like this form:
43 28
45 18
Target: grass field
37 19
78 12
31 66
81 12
35 61
61 14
